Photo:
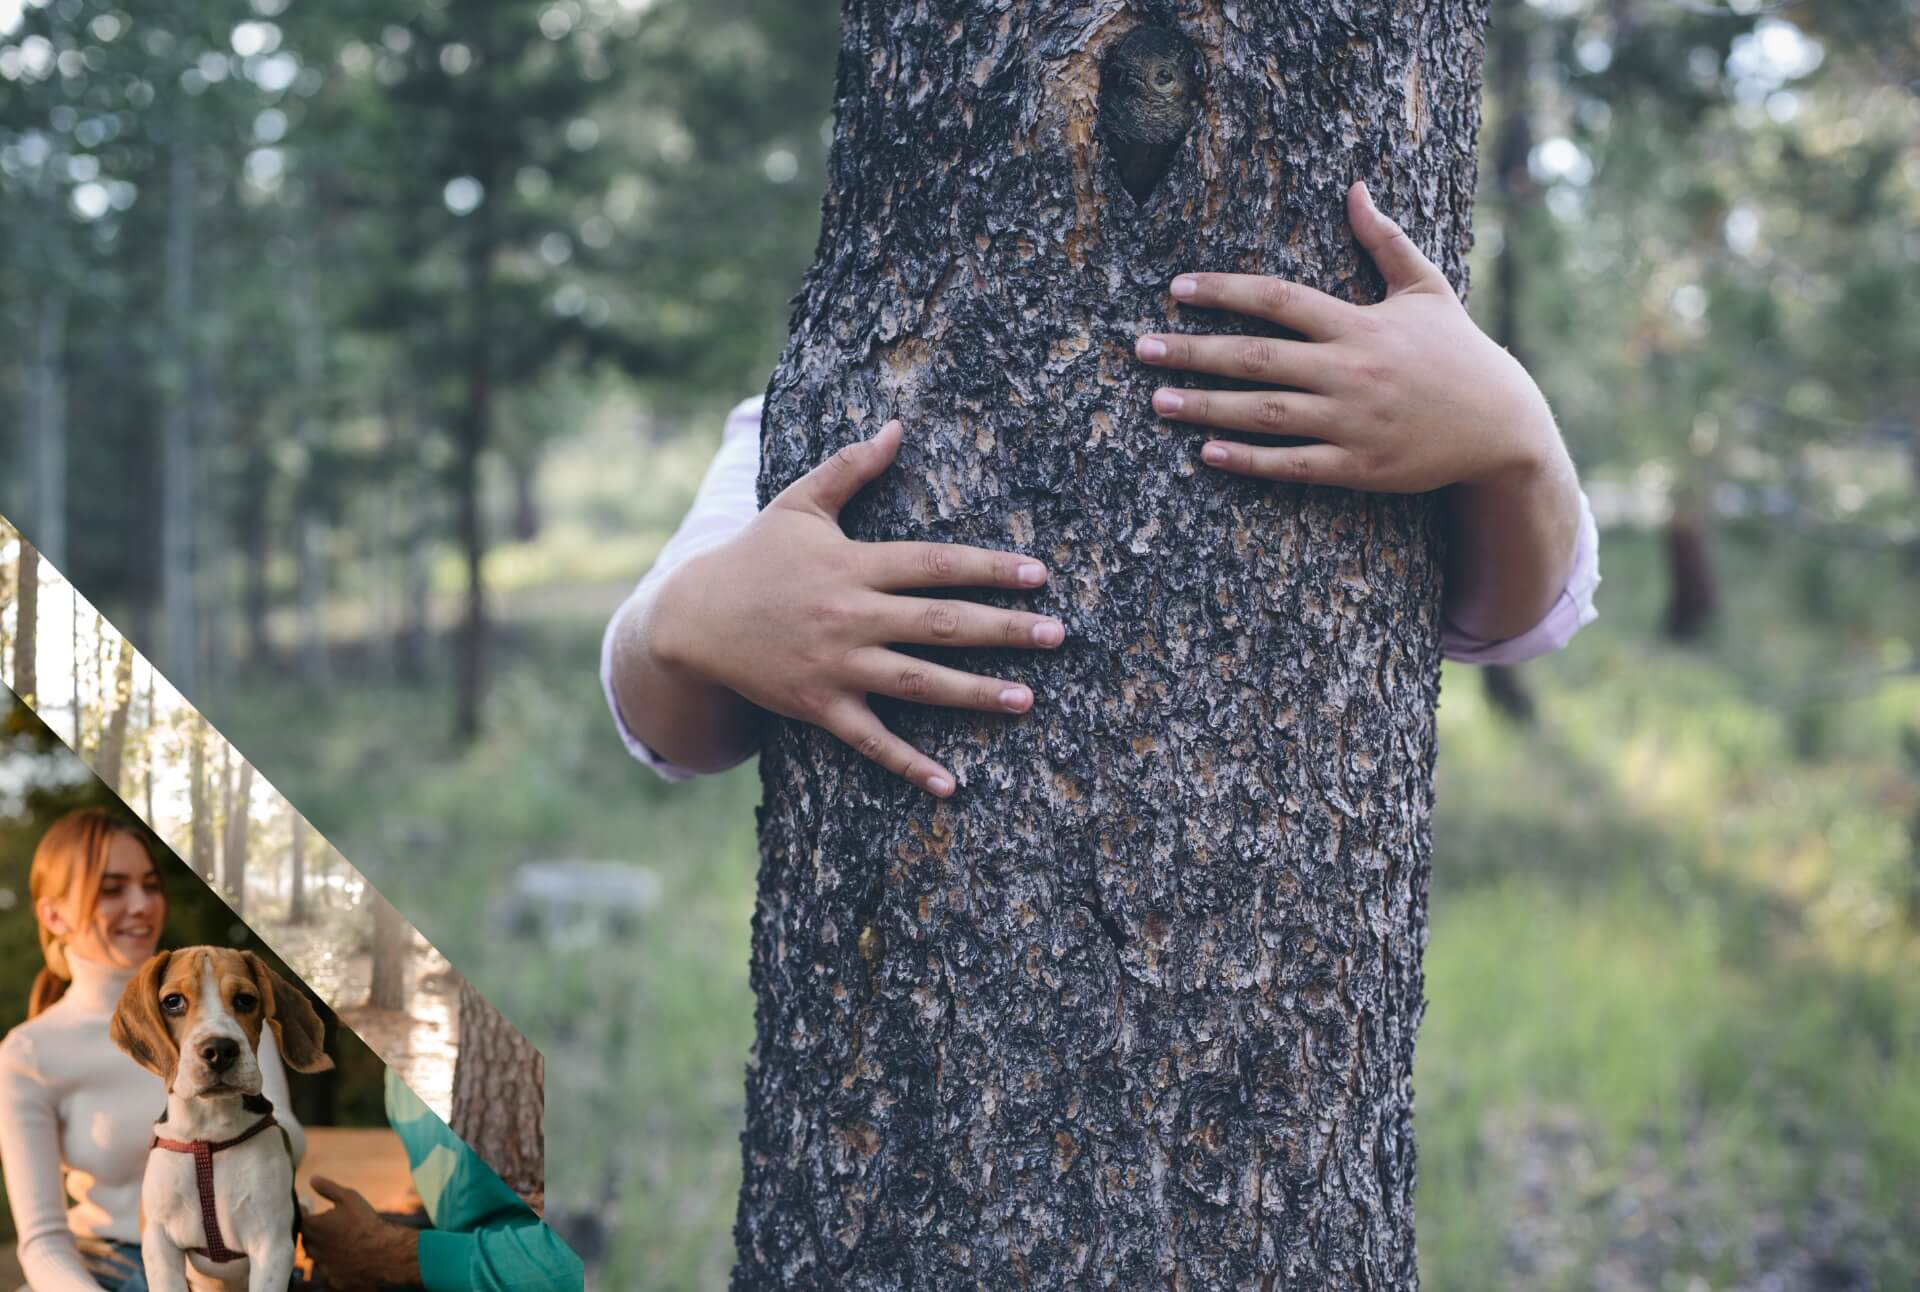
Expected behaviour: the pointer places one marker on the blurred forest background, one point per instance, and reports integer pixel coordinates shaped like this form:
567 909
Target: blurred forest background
358 357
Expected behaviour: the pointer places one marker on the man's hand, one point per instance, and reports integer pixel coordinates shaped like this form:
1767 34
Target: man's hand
797 618
356 1249
1403 396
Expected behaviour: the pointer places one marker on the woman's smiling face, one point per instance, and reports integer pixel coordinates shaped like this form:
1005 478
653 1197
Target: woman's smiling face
126 922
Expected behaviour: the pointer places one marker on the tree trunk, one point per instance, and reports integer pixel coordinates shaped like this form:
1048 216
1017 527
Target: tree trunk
113 744
499 1095
1691 596
26 636
199 798
177 509
297 880
1136 1008
234 873
391 959
1510 65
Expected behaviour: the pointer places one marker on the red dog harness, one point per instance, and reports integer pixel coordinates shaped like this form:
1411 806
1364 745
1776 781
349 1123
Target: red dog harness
203 1151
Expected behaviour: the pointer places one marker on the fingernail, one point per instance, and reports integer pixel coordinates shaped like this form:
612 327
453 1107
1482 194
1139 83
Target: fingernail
1031 572
1049 633
1148 348
1184 286
1214 453
939 785
1014 697
1365 196
1168 401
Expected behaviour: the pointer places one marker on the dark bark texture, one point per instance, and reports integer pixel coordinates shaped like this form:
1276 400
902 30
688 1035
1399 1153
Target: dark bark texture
1136 1008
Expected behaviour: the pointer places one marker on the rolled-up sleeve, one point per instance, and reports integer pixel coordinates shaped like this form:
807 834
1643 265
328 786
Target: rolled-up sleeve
724 504
1571 611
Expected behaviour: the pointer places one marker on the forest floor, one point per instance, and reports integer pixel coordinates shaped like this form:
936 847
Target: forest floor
1673 1032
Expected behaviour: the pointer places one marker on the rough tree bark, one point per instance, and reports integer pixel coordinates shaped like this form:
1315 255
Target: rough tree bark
1136 1008
499 1096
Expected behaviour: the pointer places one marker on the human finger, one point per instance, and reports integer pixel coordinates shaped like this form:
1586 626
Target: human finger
1262 412
832 484
1252 358
858 725
1398 257
1278 300
906 677
930 621
907 564
1321 464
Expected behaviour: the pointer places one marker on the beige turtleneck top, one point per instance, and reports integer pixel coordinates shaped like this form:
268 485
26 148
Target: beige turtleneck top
73 1104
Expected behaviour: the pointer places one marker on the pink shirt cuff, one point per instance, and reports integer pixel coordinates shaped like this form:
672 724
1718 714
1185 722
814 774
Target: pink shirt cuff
1570 612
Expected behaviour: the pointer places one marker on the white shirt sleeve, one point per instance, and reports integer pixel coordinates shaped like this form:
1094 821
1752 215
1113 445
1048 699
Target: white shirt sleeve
273 1084
36 1190
725 503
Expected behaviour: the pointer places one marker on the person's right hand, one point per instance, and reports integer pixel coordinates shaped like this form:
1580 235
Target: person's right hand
797 618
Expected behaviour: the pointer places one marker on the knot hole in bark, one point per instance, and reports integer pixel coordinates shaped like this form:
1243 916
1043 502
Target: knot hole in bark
1149 92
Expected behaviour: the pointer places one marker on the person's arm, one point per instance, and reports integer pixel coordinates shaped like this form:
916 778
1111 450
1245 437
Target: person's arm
273 1084
707 727
523 1257
1572 607
30 1158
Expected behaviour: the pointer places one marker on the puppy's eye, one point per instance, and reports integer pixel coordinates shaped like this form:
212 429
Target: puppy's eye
173 1003
244 1003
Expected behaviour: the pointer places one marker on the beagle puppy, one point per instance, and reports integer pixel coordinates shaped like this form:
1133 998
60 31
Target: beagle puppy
217 1206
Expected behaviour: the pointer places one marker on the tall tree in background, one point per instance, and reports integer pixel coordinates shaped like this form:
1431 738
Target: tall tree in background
392 954
499 1095
297 871
113 742
234 871
26 674
200 797
1135 1008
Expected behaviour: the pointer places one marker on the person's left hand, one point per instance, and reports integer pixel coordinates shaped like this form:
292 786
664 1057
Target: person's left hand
1403 396
356 1249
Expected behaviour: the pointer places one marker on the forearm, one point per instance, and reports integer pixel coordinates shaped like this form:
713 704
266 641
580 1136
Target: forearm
1510 545
692 722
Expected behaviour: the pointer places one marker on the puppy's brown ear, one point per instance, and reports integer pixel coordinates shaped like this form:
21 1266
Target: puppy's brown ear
297 1030
140 1028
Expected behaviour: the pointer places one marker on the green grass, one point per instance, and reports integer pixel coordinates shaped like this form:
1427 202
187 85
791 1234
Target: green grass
1669 921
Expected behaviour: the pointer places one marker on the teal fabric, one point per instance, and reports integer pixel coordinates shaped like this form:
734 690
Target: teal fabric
484 1238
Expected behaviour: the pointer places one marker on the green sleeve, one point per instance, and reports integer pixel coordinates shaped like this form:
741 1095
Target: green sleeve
484 1239
507 1258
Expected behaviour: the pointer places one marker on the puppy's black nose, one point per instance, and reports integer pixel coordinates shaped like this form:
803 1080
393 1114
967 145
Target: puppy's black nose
219 1053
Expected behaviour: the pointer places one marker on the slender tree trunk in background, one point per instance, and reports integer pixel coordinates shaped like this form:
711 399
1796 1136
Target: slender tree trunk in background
524 467
146 745
391 945
234 872
47 425
1136 1008
475 420
297 878
113 744
1691 595
475 428
499 1095
177 508
73 646
26 673
254 533
309 532
1510 66
199 797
